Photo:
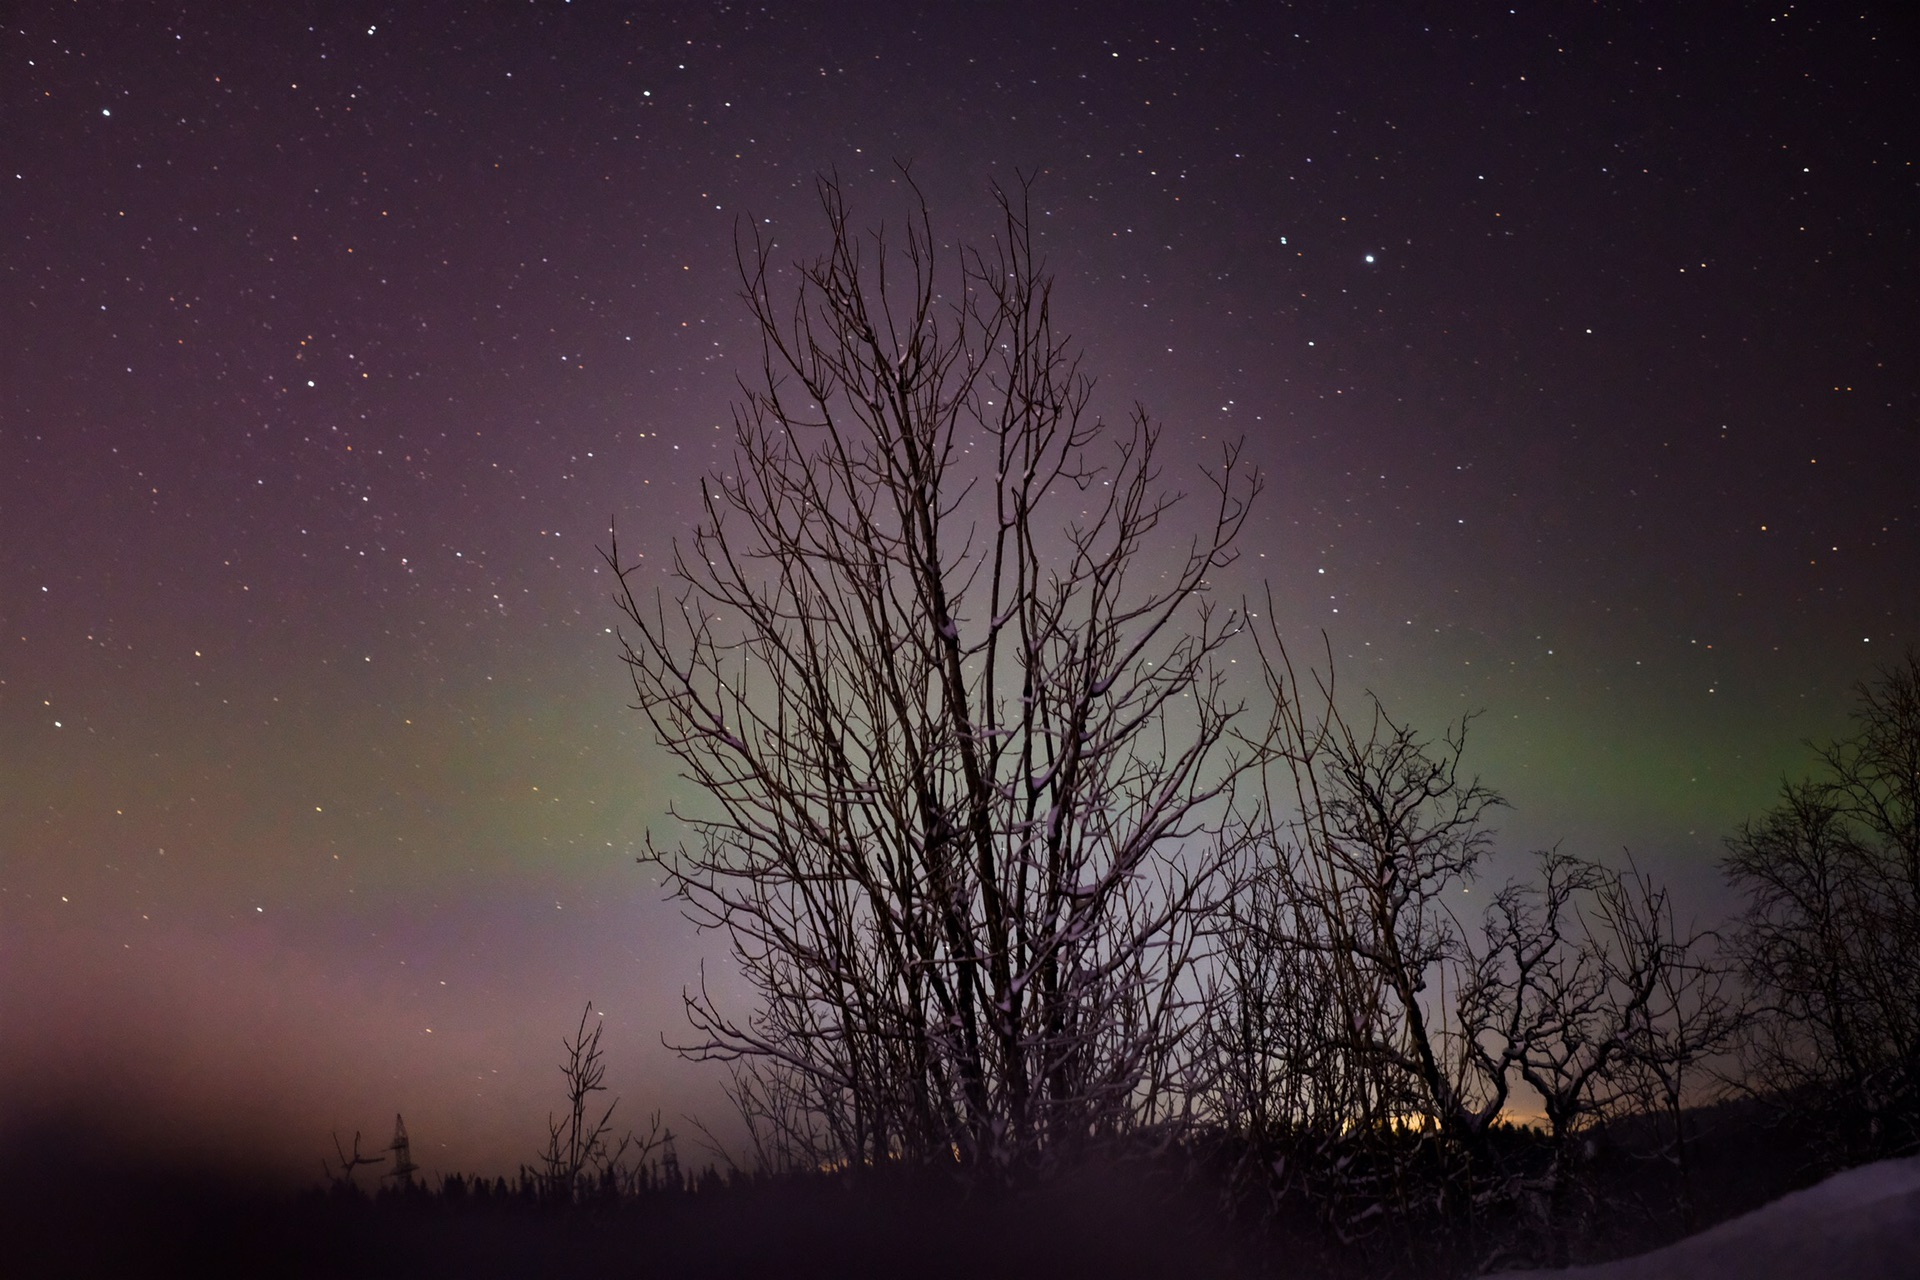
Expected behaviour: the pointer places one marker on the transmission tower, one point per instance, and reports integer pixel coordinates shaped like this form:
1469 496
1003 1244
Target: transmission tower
403 1165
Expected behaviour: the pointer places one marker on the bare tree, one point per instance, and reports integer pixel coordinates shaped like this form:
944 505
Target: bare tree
1365 1039
1830 938
1604 1007
1389 831
1691 1018
582 1153
342 1176
952 689
1394 1075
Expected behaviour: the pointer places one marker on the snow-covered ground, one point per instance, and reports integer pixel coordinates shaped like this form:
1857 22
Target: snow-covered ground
1863 1224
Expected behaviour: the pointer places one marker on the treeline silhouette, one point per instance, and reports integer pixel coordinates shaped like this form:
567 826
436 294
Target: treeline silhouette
1156 1215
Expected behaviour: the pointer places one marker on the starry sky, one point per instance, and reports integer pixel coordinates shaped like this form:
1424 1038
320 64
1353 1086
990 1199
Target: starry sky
1577 343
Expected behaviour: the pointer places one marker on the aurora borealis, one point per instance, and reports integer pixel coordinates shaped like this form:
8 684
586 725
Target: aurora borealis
1577 344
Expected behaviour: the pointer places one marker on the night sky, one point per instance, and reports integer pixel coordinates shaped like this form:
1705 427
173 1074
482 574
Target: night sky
1578 343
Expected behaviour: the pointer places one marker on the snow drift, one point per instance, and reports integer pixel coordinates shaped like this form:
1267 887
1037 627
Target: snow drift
1863 1224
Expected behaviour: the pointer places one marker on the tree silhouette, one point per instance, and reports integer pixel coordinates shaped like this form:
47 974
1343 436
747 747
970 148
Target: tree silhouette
952 686
582 1154
1830 938
1365 1036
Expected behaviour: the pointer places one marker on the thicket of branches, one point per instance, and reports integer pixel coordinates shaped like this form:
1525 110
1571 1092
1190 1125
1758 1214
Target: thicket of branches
1830 938
1013 873
1368 1033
